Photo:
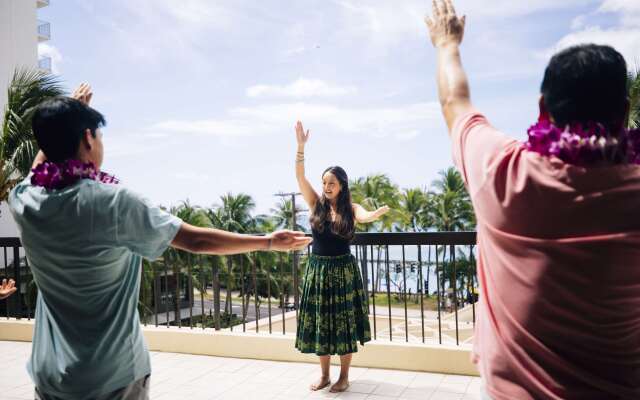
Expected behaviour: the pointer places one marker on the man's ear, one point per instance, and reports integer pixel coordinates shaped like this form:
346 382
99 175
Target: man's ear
87 139
544 113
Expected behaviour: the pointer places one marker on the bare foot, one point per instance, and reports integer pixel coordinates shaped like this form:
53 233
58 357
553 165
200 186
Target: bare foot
340 386
321 384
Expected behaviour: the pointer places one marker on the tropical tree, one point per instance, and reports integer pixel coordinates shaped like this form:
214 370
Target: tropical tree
451 209
282 215
27 89
464 268
18 146
634 99
413 203
416 205
233 215
373 192
180 260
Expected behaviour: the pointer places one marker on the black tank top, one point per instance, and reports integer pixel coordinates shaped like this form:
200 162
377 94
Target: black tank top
328 243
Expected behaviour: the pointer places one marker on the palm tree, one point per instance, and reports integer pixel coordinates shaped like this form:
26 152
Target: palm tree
451 208
264 264
18 146
413 203
180 260
634 99
233 215
374 191
282 215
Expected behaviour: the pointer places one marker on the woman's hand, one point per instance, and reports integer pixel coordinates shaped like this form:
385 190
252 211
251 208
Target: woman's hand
381 211
301 136
445 27
286 240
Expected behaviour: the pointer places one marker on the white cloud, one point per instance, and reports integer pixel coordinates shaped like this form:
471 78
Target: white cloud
48 50
299 89
625 40
294 51
406 136
151 30
186 14
191 176
212 127
578 22
510 8
389 22
620 6
625 37
401 122
628 10
377 121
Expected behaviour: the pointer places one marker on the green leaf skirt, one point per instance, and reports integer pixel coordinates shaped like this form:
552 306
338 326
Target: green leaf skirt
334 312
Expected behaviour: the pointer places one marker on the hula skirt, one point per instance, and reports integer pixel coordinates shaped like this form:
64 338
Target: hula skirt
334 312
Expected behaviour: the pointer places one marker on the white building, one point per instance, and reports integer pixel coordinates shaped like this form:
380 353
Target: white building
20 33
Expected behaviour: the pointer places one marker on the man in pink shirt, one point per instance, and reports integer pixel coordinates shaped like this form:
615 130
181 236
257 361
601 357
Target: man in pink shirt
558 227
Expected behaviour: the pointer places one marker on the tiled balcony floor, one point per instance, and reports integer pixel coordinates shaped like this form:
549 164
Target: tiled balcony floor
182 376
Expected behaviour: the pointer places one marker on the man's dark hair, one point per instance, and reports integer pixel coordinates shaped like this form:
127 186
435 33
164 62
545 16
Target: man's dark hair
586 83
59 125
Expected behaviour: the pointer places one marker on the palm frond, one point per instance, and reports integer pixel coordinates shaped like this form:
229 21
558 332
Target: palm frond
27 89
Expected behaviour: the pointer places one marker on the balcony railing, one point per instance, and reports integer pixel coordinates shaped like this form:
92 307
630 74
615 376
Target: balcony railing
421 287
44 31
44 64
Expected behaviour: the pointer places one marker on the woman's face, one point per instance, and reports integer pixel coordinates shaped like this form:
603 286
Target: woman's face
330 186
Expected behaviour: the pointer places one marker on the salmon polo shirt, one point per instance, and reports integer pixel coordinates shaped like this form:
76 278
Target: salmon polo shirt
559 268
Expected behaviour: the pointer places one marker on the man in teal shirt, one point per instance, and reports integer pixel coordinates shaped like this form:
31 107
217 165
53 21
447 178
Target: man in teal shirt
84 240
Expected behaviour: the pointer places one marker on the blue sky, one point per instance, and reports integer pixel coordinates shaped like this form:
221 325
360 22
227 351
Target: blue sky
201 96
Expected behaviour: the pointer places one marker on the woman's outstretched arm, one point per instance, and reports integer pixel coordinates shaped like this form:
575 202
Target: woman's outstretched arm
364 217
310 196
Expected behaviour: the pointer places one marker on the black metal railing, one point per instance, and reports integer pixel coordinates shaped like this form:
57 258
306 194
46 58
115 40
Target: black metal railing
421 287
14 266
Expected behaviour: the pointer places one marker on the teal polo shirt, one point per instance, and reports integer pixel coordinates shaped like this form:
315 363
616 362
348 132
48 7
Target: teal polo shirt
85 244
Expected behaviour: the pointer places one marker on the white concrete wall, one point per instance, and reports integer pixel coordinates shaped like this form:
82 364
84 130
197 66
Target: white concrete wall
18 48
376 354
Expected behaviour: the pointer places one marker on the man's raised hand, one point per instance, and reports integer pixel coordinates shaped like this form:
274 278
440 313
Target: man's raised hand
445 27
83 93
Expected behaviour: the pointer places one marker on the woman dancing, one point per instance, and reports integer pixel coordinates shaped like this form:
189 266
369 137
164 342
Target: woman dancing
334 312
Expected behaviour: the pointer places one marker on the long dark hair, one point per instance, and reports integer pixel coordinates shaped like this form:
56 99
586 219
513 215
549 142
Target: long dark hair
344 225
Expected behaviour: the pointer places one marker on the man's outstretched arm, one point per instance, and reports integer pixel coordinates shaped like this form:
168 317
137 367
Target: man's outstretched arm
214 241
446 31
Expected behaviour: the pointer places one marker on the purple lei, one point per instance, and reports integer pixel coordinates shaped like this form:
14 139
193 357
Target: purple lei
584 145
60 175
